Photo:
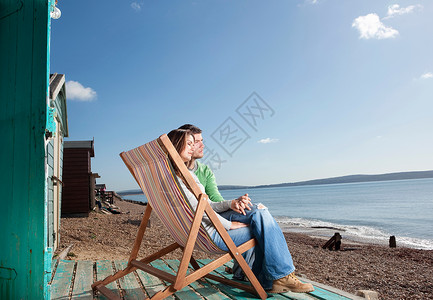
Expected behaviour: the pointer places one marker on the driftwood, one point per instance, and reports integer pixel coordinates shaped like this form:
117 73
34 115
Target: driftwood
333 243
65 252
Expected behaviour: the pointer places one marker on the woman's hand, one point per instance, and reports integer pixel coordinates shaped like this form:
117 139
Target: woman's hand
240 204
236 225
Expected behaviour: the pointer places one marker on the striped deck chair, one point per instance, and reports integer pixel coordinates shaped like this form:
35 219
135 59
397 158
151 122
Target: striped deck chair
151 167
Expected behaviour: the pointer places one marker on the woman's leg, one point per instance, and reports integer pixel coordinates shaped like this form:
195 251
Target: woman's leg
239 236
272 257
273 265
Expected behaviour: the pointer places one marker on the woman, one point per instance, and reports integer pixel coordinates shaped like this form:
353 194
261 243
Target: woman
273 265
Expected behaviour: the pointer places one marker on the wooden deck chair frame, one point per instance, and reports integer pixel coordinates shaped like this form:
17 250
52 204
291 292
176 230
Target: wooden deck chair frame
182 279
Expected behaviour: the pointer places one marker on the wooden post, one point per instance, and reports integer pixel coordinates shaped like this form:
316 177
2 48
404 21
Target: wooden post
392 242
337 241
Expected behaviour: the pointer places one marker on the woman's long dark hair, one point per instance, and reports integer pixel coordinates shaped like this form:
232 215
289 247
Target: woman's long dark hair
178 138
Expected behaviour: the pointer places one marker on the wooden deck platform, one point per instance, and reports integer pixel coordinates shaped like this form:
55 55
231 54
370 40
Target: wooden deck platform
73 280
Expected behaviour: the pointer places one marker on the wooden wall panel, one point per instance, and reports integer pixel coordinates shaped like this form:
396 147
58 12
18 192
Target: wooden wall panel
76 176
24 52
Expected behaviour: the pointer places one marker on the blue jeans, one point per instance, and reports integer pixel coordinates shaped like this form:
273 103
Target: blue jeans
272 257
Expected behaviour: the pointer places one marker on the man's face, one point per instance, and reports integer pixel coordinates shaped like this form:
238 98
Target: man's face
198 146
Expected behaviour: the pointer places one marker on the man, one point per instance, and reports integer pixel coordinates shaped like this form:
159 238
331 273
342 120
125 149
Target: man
202 171
207 179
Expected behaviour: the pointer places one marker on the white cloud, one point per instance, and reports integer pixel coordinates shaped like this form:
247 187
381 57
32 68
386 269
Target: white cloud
396 10
267 141
76 91
136 6
370 27
427 75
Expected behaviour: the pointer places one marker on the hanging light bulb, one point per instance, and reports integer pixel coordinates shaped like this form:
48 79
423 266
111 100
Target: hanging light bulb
55 12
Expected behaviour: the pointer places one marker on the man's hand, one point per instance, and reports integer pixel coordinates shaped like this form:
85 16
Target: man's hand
240 204
236 225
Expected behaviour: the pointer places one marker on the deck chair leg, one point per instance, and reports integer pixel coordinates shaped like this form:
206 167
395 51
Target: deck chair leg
114 277
133 266
140 233
194 263
192 236
236 254
134 252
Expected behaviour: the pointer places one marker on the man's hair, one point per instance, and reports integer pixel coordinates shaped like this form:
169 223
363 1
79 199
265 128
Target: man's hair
190 127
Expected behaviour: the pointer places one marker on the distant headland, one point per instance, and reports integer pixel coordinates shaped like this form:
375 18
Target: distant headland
332 180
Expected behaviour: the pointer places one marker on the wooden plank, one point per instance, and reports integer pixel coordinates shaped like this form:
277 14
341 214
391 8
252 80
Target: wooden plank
186 292
287 295
151 284
108 293
204 271
323 294
128 283
53 269
233 292
298 296
202 287
104 268
83 281
167 277
330 292
62 280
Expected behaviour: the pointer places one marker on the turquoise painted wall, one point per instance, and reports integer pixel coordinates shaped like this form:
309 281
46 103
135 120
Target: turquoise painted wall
24 61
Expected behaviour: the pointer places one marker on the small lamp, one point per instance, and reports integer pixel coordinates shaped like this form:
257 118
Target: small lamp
55 12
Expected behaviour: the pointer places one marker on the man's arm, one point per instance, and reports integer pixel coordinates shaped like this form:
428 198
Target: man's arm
212 189
207 179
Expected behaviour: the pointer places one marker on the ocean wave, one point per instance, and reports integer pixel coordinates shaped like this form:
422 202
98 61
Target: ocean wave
351 232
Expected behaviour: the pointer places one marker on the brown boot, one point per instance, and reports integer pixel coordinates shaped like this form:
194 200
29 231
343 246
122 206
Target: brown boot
291 283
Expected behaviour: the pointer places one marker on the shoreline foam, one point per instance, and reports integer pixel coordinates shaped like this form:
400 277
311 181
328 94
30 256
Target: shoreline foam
355 233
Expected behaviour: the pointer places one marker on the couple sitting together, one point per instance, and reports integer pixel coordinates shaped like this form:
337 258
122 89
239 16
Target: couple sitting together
270 260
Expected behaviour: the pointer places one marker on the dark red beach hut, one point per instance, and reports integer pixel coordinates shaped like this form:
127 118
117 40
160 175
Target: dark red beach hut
78 191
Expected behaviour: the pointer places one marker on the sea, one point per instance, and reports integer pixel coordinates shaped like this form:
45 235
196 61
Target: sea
364 212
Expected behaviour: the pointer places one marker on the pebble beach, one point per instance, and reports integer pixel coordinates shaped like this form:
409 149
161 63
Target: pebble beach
395 273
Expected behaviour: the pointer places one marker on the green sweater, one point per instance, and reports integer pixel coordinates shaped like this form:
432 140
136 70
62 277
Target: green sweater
207 179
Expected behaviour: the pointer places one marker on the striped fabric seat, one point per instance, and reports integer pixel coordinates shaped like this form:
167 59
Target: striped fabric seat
153 171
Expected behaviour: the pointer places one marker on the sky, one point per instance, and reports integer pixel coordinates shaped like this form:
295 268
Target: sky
284 91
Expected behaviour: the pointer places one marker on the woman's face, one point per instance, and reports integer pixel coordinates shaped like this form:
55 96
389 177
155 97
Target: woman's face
186 153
